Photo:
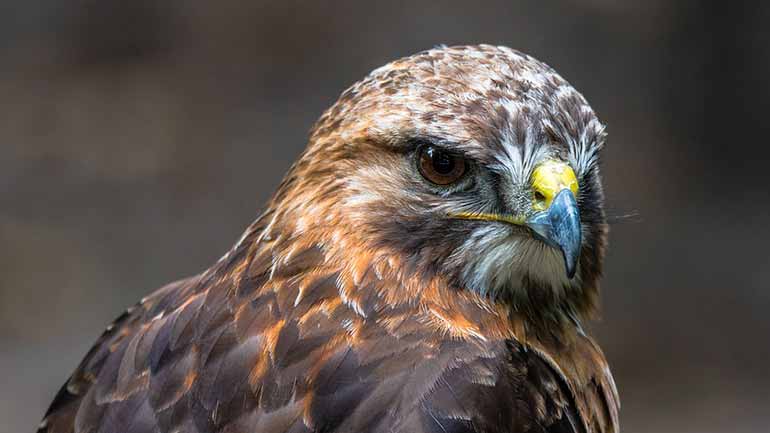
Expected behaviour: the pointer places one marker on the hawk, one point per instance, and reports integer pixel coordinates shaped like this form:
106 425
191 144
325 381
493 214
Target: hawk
424 267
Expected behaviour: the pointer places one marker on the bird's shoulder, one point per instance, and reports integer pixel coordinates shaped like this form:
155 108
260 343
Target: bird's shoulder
262 348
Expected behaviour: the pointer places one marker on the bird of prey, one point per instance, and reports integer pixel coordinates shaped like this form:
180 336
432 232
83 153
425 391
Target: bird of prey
424 267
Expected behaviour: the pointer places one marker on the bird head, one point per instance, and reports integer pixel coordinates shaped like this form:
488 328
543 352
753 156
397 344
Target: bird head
476 164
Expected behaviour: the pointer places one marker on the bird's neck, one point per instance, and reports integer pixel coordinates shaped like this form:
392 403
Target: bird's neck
376 283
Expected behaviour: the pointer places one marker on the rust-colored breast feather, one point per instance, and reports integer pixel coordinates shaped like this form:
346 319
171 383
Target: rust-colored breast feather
267 342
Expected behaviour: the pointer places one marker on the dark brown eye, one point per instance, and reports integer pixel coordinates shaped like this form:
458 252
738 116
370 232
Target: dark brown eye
439 166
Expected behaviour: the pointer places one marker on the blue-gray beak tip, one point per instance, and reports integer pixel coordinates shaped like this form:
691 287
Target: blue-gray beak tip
559 226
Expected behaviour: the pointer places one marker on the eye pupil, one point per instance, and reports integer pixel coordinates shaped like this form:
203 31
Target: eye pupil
440 167
443 163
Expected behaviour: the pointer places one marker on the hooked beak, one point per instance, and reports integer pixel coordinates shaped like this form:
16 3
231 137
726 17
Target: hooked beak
559 227
557 218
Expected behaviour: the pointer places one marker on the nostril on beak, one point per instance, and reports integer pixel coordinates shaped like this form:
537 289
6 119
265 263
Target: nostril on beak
540 200
548 179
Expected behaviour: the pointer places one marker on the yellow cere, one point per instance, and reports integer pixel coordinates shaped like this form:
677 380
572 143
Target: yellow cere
548 179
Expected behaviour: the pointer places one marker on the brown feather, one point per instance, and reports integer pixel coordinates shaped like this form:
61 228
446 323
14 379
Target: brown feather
315 322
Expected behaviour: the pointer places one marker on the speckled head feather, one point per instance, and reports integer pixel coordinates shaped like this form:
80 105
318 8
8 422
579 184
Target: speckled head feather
364 299
502 110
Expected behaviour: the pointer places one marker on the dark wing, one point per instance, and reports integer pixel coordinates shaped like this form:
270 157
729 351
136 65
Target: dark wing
265 344
213 353
579 365
461 387
107 387
511 391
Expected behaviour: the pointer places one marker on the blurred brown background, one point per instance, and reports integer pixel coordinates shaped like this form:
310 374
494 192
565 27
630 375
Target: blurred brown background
138 138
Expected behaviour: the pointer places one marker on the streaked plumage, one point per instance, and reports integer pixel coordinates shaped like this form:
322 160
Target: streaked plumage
356 303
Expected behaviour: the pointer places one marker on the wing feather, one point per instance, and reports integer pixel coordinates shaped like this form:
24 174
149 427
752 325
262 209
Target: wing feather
244 352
